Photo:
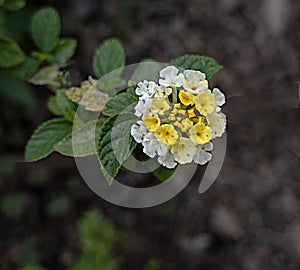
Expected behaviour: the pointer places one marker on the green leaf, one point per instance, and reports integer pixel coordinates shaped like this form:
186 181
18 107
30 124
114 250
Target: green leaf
66 107
27 68
84 138
10 53
147 69
53 106
2 2
120 102
108 57
14 5
115 139
63 50
110 83
163 174
45 137
33 267
47 76
16 91
45 28
205 64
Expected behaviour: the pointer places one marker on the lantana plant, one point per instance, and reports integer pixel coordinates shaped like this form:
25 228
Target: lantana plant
172 116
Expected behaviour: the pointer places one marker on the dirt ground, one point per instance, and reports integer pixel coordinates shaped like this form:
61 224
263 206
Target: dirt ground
249 219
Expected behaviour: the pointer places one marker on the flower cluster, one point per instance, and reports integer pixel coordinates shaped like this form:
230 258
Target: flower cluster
178 117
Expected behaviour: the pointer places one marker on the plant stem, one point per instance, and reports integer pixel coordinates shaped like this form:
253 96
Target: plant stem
174 94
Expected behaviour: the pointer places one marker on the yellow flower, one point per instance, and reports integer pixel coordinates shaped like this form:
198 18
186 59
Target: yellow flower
191 113
186 124
205 102
166 134
151 121
200 134
186 98
160 105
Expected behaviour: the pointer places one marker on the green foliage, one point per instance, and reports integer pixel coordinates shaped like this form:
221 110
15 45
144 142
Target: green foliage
45 28
14 204
10 53
108 57
27 68
14 90
120 102
205 64
163 174
84 138
118 142
14 5
63 50
97 236
49 75
147 69
44 138
65 106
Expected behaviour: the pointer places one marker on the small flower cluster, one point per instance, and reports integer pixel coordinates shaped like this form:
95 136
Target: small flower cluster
178 117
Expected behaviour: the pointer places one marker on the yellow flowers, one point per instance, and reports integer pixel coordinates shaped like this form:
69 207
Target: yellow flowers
178 132
166 134
151 122
200 134
186 98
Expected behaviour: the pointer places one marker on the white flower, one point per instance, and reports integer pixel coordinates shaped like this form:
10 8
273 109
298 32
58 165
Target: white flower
139 131
194 81
167 160
217 123
220 98
142 106
163 91
202 156
146 89
170 77
184 151
151 145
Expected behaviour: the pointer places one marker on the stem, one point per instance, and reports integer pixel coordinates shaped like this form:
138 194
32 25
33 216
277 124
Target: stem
174 94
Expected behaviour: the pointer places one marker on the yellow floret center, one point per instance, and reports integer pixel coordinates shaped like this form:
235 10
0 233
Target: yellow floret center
166 134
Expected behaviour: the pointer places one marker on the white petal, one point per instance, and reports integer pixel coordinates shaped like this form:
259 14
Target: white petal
202 156
167 161
217 123
220 97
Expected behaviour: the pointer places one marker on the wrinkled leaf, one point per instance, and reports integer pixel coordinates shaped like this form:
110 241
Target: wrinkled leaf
45 28
45 137
10 53
84 138
115 139
120 102
63 50
108 57
205 64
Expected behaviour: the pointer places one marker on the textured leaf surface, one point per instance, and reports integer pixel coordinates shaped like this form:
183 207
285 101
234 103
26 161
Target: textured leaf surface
84 138
205 64
45 137
120 144
10 53
108 57
63 50
45 28
120 102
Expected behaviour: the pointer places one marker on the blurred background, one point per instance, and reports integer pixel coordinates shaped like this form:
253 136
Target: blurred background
249 219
